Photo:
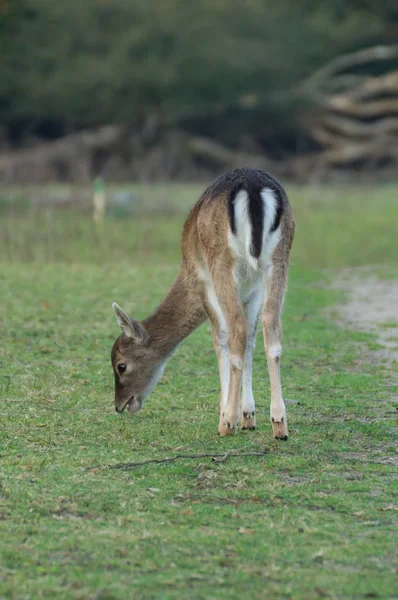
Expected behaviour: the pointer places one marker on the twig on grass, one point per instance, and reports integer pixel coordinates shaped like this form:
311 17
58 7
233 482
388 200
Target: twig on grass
215 458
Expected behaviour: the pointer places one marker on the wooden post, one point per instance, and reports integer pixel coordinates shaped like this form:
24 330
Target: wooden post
99 200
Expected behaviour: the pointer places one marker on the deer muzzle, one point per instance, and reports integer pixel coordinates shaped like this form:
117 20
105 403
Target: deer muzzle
133 404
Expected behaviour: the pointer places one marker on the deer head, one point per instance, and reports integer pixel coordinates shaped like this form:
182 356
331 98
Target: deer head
136 364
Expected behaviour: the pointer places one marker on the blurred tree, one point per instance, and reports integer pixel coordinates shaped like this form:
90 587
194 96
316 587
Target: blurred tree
221 67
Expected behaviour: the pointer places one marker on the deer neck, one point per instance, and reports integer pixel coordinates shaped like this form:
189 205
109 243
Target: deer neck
176 317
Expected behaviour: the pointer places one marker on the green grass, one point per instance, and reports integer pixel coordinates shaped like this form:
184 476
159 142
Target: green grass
313 518
337 227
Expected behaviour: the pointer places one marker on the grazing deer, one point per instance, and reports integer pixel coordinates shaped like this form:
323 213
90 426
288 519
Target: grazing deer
235 252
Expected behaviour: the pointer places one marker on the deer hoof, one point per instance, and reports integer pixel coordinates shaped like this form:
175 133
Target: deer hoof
248 420
226 428
279 429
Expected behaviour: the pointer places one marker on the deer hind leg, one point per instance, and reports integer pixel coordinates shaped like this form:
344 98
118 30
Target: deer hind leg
275 291
252 310
221 348
226 313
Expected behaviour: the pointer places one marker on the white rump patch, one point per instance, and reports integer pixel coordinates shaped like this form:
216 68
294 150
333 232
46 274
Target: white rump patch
241 241
270 204
249 272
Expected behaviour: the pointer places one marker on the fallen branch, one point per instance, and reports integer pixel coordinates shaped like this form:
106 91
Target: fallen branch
72 154
214 457
377 108
352 128
219 154
371 86
353 118
348 61
376 149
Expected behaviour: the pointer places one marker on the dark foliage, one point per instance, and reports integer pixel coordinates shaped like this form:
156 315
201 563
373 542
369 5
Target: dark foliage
219 67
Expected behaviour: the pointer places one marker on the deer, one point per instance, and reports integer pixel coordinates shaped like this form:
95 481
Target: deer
235 250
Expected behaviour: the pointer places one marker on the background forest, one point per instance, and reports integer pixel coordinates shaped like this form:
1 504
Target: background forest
177 89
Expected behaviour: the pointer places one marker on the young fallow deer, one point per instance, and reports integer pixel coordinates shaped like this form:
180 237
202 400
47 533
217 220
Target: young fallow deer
235 252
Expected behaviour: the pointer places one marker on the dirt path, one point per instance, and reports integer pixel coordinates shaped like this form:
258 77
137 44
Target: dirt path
371 306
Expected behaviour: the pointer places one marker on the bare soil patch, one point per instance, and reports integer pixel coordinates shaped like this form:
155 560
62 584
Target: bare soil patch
371 306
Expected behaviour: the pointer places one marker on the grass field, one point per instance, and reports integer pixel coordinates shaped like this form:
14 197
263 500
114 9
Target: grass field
313 518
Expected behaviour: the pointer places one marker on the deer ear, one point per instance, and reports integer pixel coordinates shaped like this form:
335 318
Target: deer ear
131 328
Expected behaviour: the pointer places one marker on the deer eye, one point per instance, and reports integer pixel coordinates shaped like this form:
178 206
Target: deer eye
121 368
